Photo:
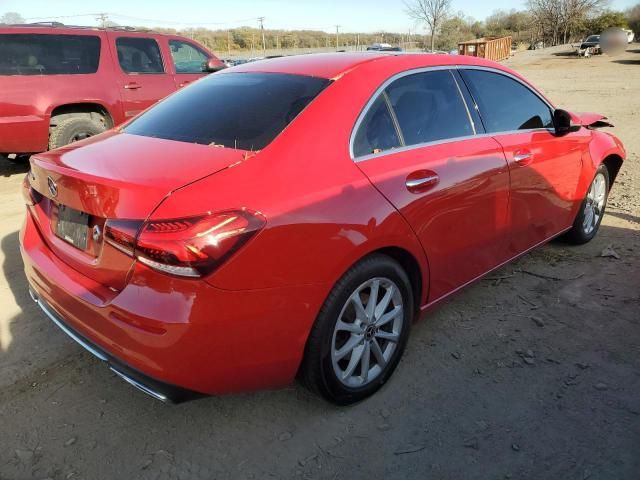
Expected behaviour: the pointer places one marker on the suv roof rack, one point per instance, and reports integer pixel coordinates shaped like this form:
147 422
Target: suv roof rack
115 28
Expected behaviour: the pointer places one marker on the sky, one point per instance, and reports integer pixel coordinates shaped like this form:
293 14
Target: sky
351 15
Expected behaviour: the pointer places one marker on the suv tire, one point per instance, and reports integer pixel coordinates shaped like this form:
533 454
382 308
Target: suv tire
72 130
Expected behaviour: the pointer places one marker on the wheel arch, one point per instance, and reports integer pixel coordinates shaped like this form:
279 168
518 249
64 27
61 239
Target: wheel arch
613 162
61 112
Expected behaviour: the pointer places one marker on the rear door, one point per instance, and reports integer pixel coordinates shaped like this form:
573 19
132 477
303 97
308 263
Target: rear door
142 74
545 168
188 60
417 143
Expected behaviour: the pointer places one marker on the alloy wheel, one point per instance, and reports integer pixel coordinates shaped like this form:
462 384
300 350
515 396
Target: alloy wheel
595 203
367 332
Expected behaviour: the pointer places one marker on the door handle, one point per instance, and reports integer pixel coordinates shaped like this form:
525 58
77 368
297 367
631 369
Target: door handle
132 86
421 181
523 157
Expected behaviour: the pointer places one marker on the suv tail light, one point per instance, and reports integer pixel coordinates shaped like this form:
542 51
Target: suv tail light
186 247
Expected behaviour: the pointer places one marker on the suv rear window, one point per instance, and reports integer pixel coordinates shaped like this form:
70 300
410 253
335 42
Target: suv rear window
234 110
37 54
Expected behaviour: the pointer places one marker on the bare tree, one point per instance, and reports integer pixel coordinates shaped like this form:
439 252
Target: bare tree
11 18
431 12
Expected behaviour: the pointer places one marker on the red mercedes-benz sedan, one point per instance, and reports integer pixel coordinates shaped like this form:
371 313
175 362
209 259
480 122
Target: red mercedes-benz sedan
294 216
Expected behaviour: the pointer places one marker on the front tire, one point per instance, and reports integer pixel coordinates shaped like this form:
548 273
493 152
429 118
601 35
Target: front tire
592 209
360 333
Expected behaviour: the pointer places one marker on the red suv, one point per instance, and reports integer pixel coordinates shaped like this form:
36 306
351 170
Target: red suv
61 84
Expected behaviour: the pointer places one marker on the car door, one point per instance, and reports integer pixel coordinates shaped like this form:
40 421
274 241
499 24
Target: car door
417 143
141 72
187 60
545 168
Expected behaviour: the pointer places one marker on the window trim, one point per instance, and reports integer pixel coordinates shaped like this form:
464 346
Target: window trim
382 90
451 68
191 45
164 66
512 77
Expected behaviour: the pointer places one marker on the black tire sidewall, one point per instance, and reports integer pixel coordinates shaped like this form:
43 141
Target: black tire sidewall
379 266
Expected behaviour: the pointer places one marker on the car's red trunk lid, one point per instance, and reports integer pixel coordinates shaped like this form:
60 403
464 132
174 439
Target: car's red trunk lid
114 176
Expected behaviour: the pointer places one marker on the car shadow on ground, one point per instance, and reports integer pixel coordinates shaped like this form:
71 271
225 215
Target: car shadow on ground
627 61
460 392
9 168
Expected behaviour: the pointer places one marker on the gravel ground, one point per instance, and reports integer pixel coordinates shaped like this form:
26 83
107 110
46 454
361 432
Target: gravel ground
533 373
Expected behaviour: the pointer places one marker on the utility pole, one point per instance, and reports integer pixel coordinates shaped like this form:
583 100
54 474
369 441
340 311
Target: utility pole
103 18
264 43
337 37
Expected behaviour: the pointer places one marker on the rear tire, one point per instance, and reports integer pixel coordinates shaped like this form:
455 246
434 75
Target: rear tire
592 209
72 130
353 349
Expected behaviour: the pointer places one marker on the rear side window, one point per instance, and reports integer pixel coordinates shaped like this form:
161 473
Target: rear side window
429 107
186 57
234 110
377 132
139 55
37 54
505 104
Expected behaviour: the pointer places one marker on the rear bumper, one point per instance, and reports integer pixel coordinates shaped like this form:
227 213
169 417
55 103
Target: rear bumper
24 134
159 390
176 337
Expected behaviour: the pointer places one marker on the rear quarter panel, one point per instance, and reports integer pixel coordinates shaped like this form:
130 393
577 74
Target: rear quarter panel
323 214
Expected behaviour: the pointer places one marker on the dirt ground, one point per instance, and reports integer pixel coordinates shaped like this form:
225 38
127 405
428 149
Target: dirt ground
533 373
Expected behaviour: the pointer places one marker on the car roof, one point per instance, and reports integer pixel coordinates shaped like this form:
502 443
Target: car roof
335 65
53 28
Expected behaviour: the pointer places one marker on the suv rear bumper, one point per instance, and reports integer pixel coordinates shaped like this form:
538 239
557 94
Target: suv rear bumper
23 134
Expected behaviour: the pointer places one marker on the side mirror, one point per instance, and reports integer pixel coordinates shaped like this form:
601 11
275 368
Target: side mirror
563 122
213 65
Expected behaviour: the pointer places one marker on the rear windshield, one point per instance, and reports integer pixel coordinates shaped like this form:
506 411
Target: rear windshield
235 110
37 54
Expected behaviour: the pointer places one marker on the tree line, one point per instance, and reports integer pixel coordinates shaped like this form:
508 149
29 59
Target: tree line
551 22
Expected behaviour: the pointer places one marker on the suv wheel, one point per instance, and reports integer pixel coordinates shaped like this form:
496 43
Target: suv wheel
360 333
74 129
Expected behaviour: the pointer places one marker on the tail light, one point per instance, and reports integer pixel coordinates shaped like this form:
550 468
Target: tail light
31 197
186 247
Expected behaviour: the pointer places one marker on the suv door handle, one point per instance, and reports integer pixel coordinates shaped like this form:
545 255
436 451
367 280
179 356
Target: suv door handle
132 86
523 157
421 181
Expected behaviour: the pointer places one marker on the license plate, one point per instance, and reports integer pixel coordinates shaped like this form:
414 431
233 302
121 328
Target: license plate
73 226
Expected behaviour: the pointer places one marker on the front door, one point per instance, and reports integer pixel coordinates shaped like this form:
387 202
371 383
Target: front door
545 168
141 72
188 61
417 145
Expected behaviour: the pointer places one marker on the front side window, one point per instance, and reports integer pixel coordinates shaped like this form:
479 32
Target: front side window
505 104
234 110
186 57
377 131
139 55
37 54
429 107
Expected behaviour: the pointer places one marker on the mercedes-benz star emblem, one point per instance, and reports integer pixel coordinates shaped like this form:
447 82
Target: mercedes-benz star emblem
53 188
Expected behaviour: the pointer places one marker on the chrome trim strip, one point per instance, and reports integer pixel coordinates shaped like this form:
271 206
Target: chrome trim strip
464 102
50 312
63 327
138 385
397 76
